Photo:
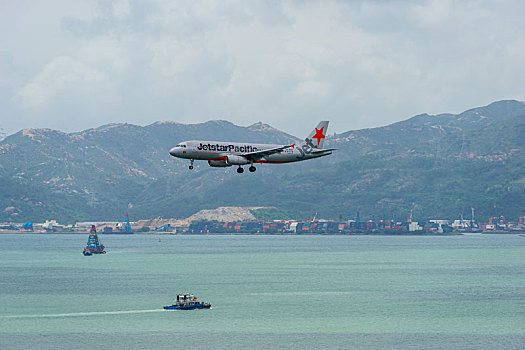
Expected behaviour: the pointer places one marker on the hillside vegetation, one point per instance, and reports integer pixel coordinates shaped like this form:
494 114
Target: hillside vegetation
439 166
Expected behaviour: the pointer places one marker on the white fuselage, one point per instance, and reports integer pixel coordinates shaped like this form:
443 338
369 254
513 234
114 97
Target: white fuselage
217 150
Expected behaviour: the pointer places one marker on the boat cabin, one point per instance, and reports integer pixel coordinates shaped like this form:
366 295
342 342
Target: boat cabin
185 299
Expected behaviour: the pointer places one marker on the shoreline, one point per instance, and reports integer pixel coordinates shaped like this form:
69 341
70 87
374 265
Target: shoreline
268 234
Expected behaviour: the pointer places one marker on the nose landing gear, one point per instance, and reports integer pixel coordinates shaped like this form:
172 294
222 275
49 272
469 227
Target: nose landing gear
191 165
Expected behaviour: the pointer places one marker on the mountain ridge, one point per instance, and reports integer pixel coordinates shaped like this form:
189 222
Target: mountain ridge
92 174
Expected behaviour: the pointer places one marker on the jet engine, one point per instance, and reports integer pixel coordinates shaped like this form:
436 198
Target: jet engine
237 160
218 163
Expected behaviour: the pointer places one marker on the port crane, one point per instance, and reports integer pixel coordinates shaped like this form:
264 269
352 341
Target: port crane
124 225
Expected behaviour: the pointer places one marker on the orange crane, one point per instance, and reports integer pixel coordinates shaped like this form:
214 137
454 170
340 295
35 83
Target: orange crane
497 221
493 220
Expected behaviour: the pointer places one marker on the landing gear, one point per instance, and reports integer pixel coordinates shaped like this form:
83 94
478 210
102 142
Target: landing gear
252 169
191 165
240 170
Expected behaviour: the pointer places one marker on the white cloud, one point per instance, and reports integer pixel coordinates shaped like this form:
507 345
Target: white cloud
121 9
60 77
312 89
171 56
432 13
287 63
69 93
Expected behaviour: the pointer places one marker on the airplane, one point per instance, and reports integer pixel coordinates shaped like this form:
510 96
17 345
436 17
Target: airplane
225 154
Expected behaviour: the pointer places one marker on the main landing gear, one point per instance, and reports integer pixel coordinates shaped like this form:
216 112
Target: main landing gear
240 170
191 165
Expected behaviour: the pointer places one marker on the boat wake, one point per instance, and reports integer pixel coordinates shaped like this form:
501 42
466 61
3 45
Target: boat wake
84 314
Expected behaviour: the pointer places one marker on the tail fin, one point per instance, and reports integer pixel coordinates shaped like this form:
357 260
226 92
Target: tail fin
317 136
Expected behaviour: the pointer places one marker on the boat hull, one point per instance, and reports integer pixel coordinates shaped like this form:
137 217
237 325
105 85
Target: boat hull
91 251
187 307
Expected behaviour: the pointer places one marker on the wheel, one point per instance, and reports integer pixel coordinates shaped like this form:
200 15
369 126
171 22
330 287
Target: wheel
191 167
240 170
252 169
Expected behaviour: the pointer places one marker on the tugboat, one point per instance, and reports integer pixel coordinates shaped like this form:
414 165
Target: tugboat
187 301
93 244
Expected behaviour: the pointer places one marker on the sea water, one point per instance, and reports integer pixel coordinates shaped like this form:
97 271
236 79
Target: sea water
267 292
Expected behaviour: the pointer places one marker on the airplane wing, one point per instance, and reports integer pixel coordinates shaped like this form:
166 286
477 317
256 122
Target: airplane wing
265 152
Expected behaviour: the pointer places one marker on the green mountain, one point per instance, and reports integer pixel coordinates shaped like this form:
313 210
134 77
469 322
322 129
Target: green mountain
438 166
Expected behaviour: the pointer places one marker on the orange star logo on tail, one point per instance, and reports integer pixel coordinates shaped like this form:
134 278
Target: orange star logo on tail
318 135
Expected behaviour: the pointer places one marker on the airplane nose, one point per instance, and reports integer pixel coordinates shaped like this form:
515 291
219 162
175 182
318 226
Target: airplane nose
173 151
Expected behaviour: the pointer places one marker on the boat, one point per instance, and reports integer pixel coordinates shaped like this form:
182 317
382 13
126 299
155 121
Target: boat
187 301
93 244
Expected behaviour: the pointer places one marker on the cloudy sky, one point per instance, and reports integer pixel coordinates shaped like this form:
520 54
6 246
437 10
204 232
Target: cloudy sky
73 65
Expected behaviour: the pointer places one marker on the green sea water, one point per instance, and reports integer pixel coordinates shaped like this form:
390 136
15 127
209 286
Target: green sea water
267 292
